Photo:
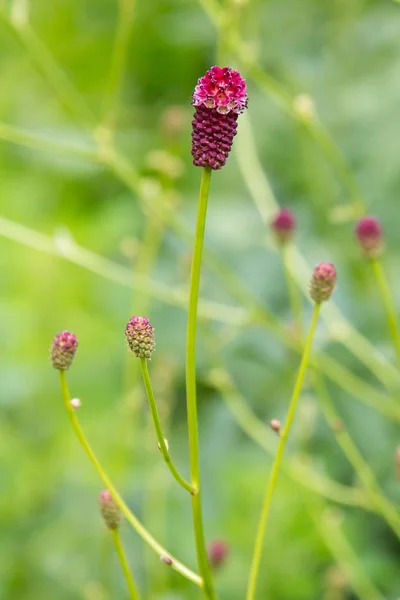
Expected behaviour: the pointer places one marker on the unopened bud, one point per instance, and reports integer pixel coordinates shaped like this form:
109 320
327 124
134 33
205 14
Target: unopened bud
110 512
275 425
166 444
323 282
62 350
140 337
370 236
167 560
75 403
284 225
218 551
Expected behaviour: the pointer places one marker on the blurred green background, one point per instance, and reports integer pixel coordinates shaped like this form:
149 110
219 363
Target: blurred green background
98 201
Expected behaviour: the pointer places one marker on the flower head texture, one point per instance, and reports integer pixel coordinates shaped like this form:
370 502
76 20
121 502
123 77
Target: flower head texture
218 551
284 225
140 337
62 350
370 236
109 511
219 97
323 282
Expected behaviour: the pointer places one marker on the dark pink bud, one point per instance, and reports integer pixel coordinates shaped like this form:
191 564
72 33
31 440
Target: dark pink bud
62 350
218 551
370 236
109 511
140 337
219 97
284 225
323 282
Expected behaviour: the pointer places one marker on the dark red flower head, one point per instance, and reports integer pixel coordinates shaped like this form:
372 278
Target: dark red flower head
370 236
219 97
284 225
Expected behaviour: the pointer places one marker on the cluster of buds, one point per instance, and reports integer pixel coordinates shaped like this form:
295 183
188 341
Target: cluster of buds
139 334
219 97
110 512
62 350
370 236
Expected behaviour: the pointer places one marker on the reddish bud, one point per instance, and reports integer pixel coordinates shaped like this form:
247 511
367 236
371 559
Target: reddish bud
284 225
140 337
109 511
370 236
62 350
323 282
219 97
218 551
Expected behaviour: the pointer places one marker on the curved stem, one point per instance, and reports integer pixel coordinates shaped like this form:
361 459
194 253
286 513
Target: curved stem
278 458
130 517
157 424
124 564
388 303
191 383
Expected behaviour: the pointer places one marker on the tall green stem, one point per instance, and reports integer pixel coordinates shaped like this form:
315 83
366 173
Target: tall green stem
133 593
130 517
158 428
388 303
191 384
278 458
295 298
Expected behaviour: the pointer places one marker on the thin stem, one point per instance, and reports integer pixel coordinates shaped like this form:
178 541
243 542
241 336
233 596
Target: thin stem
387 298
191 383
124 564
295 298
278 458
130 517
157 424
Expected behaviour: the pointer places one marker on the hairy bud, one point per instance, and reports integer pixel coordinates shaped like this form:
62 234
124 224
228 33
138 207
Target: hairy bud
323 282
140 337
62 350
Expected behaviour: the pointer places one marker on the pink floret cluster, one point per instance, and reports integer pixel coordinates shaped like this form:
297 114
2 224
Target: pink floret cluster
222 89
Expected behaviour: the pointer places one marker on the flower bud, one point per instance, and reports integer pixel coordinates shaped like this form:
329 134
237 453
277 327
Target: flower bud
62 350
75 403
140 337
370 236
275 425
219 97
218 551
323 282
167 560
109 511
284 225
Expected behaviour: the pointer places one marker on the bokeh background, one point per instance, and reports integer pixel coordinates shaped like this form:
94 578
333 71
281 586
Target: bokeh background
98 201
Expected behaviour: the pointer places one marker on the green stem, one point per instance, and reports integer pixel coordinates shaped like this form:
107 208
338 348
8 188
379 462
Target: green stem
130 517
295 298
124 564
278 458
157 424
191 383
388 303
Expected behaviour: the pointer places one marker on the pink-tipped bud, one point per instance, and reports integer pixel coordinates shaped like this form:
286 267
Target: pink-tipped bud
62 350
219 97
370 236
323 282
218 552
140 337
109 511
284 225
275 425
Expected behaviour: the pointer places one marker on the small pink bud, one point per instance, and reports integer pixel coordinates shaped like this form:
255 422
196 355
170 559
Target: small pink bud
284 225
140 337
275 425
167 560
62 350
370 236
219 97
323 282
110 512
75 403
218 551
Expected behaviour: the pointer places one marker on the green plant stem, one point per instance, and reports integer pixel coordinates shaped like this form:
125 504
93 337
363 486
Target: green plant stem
133 593
387 298
191 384
130 517
157 424
295 298
278 458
